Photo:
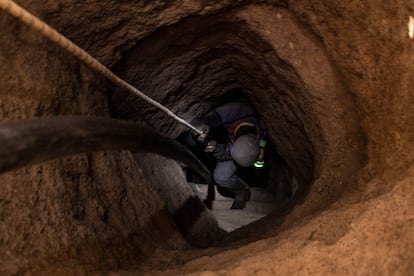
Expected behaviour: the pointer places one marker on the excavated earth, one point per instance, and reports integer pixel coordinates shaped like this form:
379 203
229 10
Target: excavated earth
331 82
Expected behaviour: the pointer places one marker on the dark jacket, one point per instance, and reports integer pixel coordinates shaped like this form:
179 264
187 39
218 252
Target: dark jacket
232 116
237 118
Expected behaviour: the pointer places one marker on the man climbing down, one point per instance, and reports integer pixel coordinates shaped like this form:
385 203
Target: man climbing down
240 148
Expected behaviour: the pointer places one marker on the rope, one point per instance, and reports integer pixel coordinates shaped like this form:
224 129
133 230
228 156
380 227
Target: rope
20 13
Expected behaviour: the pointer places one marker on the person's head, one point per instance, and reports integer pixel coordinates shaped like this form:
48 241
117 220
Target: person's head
245 150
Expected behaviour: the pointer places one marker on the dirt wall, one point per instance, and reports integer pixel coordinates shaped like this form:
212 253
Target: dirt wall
97 212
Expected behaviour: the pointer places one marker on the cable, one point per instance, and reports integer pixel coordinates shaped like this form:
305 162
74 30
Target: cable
20 13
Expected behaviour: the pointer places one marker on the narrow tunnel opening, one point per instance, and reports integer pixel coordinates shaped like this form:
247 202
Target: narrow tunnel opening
204 61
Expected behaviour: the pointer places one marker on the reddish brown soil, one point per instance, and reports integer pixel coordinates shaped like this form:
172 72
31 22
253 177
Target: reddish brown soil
340 83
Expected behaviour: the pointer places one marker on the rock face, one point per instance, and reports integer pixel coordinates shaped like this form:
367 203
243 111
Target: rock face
331 82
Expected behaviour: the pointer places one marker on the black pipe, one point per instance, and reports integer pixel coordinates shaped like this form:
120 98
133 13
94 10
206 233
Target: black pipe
32 141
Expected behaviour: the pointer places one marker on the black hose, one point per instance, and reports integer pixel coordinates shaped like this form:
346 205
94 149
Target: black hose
32 141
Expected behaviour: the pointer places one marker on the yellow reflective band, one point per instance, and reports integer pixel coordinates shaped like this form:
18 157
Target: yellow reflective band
246 124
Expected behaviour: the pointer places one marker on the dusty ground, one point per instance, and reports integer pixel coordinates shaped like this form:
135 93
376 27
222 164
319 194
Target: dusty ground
98 212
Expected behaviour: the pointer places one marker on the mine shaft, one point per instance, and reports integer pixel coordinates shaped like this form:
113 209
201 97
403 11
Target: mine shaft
97 180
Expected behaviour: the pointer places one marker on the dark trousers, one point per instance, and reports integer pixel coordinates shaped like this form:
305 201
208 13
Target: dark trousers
225 176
